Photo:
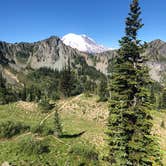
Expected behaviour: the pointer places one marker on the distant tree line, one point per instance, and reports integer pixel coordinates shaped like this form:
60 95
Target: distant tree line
157 96
45 83
7 94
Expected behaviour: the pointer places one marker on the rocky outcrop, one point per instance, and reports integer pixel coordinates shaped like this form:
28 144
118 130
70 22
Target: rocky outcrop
51 53
156 53
156 50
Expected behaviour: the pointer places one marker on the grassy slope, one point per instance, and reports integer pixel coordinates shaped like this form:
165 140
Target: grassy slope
78 114
159 131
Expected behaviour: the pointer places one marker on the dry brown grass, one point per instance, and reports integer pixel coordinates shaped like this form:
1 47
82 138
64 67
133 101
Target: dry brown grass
27 106
87 108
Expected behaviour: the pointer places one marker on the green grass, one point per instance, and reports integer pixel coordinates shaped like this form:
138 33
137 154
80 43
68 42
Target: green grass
13 113
78 114
159 131
10 149
59 152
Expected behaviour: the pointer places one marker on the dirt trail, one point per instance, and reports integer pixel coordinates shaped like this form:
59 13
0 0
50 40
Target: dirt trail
15 138
22 135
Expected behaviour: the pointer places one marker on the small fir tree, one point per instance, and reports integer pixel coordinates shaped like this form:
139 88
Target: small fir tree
45 105
57 125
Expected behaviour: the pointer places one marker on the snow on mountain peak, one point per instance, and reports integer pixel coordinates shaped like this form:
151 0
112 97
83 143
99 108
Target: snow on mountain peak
83 43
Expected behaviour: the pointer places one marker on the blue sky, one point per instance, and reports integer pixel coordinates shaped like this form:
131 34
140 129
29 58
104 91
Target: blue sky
102 20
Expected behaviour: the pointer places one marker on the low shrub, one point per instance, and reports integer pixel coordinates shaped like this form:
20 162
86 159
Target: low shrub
85 150
42 130
10 128
45 106
33 146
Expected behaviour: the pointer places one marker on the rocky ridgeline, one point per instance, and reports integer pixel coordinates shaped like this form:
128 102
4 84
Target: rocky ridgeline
51 53
54 54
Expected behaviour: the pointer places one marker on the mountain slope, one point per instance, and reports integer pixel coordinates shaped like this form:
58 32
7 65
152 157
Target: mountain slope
54 54
155 52
83 43
51 53
20 59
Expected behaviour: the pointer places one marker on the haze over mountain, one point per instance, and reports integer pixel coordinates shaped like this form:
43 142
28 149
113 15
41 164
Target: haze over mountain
83 43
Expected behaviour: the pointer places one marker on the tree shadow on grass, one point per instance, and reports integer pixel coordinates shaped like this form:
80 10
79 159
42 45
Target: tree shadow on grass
73 135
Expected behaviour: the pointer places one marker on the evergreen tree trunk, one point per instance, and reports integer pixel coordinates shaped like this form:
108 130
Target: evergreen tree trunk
129 123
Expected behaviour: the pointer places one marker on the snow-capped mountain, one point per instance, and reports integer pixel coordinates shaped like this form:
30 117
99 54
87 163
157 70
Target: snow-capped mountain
83 43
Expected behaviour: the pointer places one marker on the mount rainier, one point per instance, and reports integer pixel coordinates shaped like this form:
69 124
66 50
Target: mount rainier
83 43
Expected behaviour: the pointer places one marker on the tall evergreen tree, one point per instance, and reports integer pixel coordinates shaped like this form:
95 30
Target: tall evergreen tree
66 82
129 122
103 90
163 99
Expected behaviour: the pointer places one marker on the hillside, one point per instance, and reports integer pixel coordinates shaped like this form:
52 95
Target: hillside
83 120
155 54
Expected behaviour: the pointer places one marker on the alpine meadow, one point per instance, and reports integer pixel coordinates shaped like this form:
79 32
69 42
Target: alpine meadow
69 101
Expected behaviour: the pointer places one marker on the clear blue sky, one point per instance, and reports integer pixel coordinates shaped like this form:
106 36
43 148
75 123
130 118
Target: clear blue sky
103 20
